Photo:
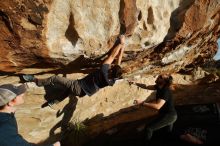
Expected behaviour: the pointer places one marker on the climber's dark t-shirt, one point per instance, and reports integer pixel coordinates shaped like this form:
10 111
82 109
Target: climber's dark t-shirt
165 94
96 80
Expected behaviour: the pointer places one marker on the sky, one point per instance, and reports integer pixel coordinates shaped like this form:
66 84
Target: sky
217 56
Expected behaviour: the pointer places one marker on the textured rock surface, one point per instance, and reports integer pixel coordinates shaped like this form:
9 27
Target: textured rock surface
50 35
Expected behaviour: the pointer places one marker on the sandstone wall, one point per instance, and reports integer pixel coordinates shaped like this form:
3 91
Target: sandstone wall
40 36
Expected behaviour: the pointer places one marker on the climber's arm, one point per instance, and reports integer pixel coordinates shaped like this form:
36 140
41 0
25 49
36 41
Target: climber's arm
116 52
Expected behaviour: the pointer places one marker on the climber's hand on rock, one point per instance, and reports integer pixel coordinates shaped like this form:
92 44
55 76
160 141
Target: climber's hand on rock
57 144
122 39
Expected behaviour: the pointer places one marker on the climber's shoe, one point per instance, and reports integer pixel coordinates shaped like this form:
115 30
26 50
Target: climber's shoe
28 78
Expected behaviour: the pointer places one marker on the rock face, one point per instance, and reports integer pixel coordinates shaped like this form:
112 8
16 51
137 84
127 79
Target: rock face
52 36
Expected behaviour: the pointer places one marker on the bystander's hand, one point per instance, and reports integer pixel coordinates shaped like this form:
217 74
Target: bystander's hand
138 102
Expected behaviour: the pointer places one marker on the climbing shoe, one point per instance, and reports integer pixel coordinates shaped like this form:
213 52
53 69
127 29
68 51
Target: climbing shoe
28 78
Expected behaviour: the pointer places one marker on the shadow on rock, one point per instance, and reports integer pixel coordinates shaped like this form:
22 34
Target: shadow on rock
59 93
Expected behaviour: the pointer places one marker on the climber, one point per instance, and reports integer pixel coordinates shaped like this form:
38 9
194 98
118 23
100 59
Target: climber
10 97
105 76
163 103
